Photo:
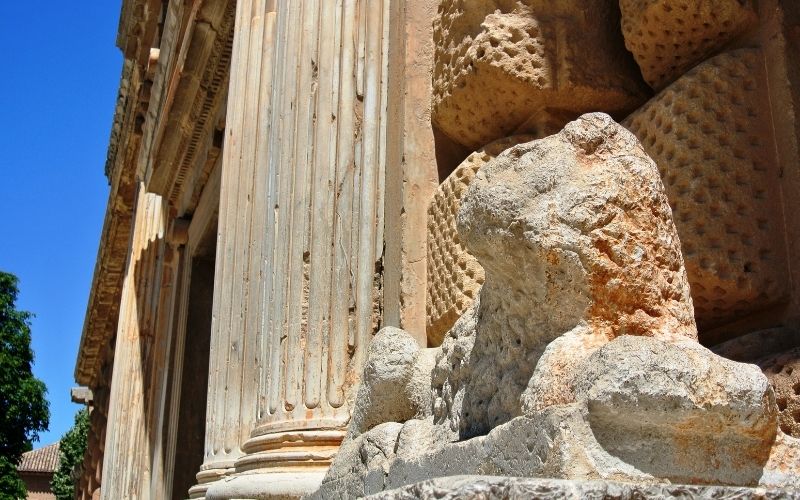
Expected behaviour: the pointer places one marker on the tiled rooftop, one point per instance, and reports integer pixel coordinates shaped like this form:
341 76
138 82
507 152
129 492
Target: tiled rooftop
42 460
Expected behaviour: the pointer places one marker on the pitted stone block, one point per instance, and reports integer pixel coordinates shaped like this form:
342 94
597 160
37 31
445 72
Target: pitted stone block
783 372
454 276
667 37
504 67
710 134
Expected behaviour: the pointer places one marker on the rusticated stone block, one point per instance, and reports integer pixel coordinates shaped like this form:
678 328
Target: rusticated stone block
454 276
710 134
667 37
504 67
783 372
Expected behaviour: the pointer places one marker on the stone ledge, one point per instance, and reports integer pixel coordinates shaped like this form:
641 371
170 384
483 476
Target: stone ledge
263 485
490 487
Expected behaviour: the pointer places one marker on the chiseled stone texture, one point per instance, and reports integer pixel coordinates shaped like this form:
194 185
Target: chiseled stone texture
783 466
678 411
361 464
783 372
777 352
667 37
646 411
527 66
709 133
492 487
396 382
454 276
576 237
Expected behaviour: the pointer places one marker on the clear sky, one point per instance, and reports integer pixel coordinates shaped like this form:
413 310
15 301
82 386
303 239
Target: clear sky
58 87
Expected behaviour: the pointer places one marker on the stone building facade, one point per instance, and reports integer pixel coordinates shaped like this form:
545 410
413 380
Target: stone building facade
287 178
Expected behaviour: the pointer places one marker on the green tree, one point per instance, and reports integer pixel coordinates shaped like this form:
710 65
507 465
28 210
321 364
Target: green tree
71 450
24 410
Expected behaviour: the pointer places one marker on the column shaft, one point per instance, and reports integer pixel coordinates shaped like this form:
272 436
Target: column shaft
237 326
315 102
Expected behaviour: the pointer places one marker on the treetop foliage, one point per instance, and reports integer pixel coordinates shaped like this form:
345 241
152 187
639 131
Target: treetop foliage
24 411
72 449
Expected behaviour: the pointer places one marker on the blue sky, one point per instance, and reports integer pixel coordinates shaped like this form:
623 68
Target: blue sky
58 87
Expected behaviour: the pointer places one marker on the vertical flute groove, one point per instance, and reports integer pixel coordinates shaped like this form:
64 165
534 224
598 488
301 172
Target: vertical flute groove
301 217
323 210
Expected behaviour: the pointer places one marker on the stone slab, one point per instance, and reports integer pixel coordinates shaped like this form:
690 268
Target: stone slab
490 487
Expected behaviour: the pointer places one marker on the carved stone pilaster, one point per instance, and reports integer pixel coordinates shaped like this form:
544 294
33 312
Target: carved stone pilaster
146 290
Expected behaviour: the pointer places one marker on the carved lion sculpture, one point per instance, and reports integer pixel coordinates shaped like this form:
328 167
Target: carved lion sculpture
579 358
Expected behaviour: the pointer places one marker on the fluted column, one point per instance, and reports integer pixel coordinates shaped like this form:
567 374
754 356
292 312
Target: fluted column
315 101
145 288
237 328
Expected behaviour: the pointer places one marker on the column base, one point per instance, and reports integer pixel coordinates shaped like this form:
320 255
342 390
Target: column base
258 485
207 477
279 464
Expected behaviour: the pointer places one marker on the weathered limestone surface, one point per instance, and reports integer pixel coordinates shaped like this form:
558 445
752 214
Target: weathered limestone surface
489 487
668 37
783 372
236 328
147 294
412 155
577 241
777 352
530 66
579 359
395 386
454 276
710 135
783 463
678 411
678 436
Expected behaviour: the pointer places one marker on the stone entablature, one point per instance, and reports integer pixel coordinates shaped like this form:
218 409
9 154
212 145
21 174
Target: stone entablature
103 306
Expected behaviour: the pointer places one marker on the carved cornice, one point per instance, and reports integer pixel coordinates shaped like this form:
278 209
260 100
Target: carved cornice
171 105
103 308
138 28
191 86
